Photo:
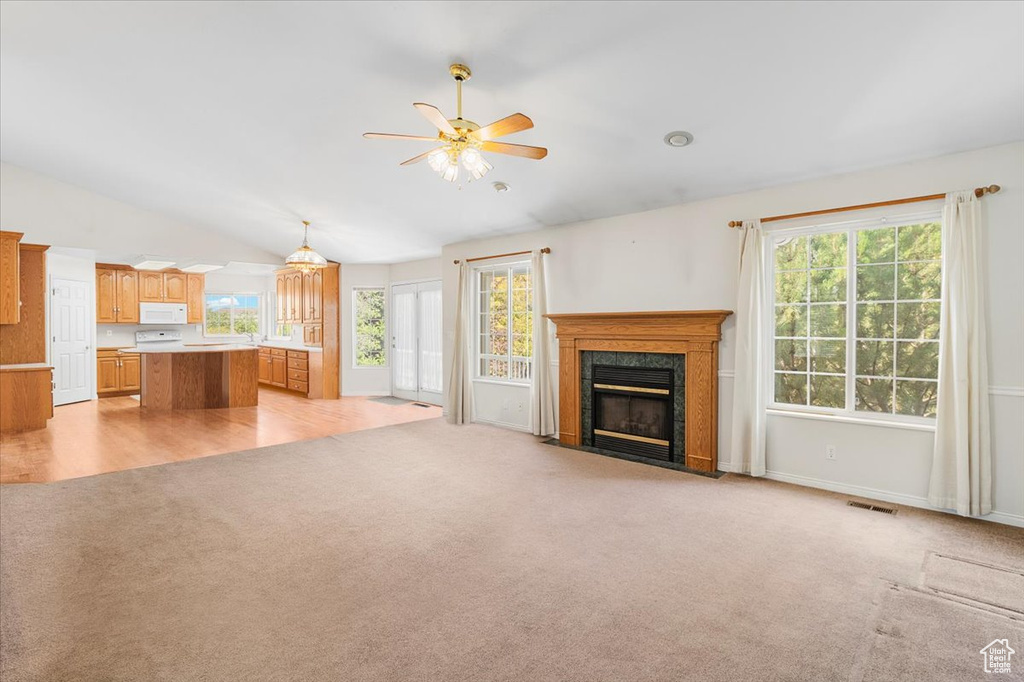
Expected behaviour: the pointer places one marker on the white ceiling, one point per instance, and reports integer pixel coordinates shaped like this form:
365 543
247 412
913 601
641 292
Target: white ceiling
247 116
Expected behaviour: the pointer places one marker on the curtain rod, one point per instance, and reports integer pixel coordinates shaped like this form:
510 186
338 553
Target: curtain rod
502 255
978 192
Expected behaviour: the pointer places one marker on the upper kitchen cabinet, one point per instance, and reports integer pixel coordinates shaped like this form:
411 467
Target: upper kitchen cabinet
175 287
117 295
10 278
313 297
196 288
151 287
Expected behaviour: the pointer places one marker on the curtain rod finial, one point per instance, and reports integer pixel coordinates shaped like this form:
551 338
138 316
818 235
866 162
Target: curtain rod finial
546 249
735 223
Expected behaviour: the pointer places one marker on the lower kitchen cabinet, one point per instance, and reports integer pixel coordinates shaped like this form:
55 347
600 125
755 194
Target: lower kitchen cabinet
295 370
117 373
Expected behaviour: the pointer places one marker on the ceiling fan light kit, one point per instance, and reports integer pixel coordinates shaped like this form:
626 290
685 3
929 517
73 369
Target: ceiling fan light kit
462 140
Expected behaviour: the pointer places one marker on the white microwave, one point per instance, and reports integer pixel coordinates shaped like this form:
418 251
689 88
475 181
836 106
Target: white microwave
163 313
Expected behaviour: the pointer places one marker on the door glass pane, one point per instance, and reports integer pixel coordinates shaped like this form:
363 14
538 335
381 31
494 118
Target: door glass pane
403 353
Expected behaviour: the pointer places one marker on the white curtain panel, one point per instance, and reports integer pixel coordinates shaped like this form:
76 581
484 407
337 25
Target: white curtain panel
460 384
962 460
541 389
749 390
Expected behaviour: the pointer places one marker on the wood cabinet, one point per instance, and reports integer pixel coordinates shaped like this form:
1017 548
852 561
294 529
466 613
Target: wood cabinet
10 277
117 295
26 342
313 297
175 287
151 286
118 373
313 335
27 396
196 289
296 370
313 301
120 289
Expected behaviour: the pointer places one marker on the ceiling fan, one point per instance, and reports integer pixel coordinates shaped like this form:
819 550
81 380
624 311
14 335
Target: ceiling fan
463 140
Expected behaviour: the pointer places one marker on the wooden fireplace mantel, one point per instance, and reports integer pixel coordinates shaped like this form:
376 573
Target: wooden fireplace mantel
693 333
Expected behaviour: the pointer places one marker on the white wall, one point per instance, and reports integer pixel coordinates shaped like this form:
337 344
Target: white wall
52 212
684 257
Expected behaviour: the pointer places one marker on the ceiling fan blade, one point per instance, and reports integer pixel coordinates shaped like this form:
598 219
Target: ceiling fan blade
506 126
417 159
391 136
515 149
434 115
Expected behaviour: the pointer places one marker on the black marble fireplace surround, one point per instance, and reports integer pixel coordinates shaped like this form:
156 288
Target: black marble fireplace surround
634 404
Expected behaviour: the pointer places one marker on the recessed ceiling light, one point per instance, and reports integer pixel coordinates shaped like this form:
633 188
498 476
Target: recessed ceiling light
500 187
152 263
678 138
201 267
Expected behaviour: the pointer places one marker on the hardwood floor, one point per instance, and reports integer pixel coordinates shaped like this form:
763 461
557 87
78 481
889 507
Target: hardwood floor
100 436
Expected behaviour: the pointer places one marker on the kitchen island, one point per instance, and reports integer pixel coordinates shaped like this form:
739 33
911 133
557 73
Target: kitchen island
198 377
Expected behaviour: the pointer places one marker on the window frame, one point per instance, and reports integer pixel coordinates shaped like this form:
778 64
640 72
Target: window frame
236 294
478 356
355 328
849 413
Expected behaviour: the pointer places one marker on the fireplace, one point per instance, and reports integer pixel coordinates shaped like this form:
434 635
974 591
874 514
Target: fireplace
633 410
689 337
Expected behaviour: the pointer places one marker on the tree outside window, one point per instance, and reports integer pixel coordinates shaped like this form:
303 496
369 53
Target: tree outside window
370 328
505 347
869 345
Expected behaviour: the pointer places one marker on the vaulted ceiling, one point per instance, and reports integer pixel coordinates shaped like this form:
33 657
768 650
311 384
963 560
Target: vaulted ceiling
246 117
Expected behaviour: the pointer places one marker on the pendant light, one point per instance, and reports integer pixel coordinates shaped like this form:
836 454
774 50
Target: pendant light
305 259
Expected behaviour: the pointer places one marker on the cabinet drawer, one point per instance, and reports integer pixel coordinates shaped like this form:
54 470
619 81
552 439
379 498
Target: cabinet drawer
300 386
297 355
264 352
297 363
298 375
280 352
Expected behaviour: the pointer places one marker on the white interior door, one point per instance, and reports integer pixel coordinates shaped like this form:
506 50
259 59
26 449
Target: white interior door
71 351
416 341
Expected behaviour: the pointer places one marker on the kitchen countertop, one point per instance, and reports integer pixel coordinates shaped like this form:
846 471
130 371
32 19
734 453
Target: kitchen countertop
27 367
198 348
286 346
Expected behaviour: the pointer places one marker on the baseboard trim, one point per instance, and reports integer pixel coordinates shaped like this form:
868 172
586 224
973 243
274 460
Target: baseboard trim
884 496
366 394
504 425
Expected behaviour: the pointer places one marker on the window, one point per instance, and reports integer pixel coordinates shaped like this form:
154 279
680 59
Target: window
857 318
505 307
232 314
369 330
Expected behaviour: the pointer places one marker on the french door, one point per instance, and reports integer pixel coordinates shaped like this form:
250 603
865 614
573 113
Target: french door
71 341
416 342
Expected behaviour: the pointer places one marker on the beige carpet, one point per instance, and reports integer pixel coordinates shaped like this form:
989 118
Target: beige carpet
430 552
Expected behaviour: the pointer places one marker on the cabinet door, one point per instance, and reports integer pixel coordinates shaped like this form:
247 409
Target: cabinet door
196 288
307 297
279 371
316 297
282 298
107 375
106 296
151 287
127 296
10 278
264 368
175 287
131 373
295 293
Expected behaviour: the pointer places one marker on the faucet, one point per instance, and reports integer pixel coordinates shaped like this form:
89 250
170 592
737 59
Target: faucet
252 337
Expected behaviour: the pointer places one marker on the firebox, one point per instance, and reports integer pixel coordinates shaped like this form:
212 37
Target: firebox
633 410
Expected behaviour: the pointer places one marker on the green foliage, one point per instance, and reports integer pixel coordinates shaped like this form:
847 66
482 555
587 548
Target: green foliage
898 284
371 329
507 326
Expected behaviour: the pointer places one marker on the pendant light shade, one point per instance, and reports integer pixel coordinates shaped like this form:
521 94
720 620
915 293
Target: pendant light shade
305 258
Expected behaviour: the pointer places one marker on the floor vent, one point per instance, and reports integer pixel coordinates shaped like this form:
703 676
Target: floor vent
872 507
421 405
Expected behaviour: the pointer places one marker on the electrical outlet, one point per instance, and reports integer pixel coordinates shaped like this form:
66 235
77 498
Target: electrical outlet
520 405
110 332
830 452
